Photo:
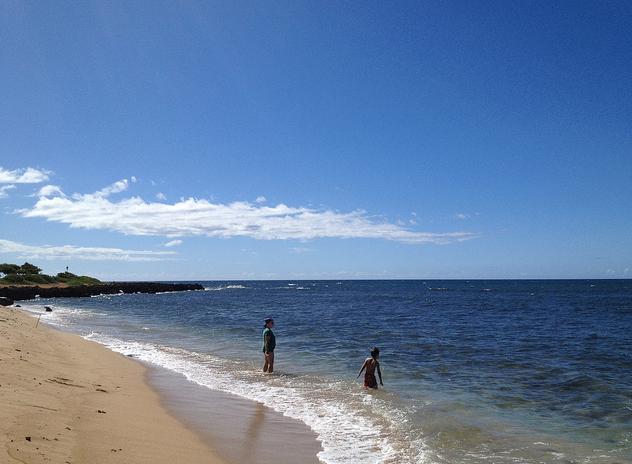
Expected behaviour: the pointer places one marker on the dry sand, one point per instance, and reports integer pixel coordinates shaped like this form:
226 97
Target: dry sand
67 400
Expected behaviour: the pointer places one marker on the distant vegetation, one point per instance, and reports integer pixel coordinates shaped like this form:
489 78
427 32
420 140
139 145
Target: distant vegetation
29 274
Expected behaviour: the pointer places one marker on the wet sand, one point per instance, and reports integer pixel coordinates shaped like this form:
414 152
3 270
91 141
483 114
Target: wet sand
239 430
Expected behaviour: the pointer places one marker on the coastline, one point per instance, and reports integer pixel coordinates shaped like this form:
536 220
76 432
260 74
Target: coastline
11 293
197 375
65 399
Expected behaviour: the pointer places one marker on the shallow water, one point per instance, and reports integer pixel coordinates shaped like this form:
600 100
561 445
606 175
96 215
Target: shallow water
475 371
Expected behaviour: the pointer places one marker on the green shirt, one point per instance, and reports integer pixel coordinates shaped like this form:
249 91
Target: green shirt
269 340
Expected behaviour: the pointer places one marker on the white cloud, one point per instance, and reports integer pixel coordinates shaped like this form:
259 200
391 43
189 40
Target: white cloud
133 179
260 199
23 176
161 196
462 216
173 243
4 189
116 187
50 191
199 217
75 252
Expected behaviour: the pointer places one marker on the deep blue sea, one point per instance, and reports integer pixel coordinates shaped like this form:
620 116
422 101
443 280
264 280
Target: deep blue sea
474 371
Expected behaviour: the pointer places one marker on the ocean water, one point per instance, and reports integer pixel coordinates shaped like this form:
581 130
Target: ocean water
474 371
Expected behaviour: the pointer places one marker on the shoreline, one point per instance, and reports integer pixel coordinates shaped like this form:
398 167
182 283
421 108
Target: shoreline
65 399
150 413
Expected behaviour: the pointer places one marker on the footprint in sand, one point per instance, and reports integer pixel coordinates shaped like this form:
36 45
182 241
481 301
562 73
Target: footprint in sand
64 381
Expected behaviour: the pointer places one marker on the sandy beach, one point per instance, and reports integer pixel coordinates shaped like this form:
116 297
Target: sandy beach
67 400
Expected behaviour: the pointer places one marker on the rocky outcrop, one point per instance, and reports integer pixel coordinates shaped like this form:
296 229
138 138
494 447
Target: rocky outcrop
27 293
4 301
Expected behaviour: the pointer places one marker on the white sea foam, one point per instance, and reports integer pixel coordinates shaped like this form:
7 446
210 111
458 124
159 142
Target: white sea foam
61 316
225 287
107 296
292 287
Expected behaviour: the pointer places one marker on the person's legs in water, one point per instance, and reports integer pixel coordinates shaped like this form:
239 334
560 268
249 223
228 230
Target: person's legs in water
268 365
370 381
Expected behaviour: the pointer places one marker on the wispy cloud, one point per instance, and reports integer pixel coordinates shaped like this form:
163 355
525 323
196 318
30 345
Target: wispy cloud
260 199
116 187
173 243
200 217
463 216
300 250
49 191
4 189
23 176
161 196
84 253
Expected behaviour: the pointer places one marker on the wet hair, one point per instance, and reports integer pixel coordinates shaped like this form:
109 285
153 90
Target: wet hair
375 352
267 321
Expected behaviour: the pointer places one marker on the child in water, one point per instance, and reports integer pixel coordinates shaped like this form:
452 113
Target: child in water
269 344
371 364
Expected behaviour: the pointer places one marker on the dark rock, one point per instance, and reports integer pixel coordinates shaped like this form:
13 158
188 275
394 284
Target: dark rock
5 301
17 306
28 293
48 309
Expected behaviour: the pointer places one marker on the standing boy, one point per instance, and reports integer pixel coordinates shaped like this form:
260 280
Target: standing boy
269 344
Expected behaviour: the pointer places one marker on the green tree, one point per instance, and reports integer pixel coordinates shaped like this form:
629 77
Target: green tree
6 268
28 268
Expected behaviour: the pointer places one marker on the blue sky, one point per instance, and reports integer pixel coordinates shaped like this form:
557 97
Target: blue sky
317 139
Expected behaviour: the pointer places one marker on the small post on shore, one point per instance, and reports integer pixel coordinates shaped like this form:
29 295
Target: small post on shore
38 318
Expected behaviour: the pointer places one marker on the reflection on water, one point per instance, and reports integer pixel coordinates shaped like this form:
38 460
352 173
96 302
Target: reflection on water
240 431
254 431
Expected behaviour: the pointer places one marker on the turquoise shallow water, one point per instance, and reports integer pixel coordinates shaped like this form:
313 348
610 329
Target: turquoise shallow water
475 371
